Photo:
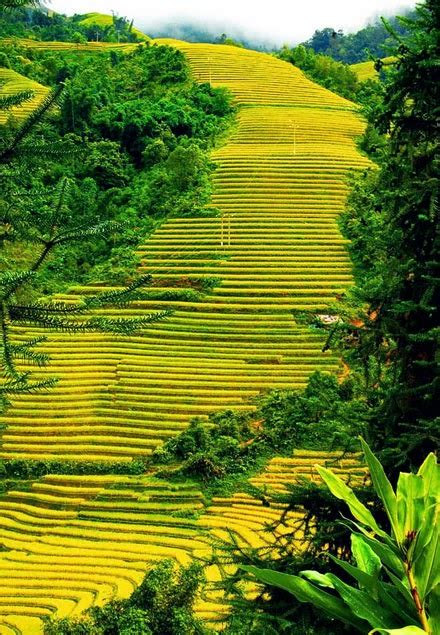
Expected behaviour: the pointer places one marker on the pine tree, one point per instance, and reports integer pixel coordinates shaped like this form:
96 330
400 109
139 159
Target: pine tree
49 229
394 219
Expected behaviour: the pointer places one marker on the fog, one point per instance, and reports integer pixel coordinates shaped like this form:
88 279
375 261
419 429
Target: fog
275 21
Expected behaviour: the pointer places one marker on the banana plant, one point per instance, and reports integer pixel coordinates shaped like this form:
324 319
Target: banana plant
396 575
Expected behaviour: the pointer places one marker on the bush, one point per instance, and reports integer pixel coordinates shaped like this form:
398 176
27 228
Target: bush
161 605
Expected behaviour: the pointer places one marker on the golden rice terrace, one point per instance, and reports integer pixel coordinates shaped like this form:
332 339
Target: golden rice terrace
275 247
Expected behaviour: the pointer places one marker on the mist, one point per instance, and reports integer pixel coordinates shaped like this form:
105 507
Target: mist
275 22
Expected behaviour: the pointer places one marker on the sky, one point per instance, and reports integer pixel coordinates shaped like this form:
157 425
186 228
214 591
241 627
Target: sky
277 21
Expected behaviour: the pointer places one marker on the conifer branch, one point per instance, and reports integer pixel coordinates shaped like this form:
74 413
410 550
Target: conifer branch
51 99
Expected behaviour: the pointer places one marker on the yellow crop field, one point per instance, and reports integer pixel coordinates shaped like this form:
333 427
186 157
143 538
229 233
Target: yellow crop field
12 83
71 542
88 47
366 70
107 20
274 247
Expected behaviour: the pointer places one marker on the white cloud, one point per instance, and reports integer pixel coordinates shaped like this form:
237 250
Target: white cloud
274 20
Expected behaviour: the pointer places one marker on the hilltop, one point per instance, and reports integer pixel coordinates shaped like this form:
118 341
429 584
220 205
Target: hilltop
102 20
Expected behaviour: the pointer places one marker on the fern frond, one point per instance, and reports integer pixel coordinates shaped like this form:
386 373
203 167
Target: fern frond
129 294
29 344
53 150
20 387
27 355
33 316
102 229
51 307
60 208
124 326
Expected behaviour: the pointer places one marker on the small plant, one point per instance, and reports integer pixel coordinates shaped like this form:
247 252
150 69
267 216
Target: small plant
396 573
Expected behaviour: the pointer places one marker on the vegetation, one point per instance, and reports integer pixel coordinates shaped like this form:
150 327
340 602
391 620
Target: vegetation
394 573
392 221
323 69
52 212
40 24
161 605
252 295
373 40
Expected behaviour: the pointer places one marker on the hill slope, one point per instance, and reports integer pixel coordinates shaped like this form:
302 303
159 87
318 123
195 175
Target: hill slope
12 83
102 19
280 185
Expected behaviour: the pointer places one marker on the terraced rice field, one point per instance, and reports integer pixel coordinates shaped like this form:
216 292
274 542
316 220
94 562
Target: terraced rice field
275 248
89 47
70 542
12 83
280 185
366 70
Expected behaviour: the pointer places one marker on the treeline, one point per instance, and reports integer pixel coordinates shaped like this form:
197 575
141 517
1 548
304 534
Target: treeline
373 40
28 22
136 131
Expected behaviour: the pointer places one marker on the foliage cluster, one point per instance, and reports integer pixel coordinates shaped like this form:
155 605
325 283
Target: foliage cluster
33 469
374 40
396 586
392 220
41 24
233 445
131 161
161 605
323 69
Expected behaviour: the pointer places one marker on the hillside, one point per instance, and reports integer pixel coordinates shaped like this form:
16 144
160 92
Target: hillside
366 70
275 248
12 83
107 21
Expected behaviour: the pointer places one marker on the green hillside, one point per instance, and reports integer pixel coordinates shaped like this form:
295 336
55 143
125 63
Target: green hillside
107 20
275 247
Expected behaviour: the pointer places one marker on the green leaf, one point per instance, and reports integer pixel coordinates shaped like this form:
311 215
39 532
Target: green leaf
366 559
339 489
434 610
406 630
304 591
426 558
363 605
386 555
430 472
410 503
365 580
319 578
383 488
401 585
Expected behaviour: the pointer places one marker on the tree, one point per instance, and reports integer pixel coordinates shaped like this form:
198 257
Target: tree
397 588
393 222
16 4
48 227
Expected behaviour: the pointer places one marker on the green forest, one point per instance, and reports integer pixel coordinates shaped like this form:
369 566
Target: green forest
219 321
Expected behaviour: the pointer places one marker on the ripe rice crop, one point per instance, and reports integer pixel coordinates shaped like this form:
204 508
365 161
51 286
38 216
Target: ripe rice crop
275 246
